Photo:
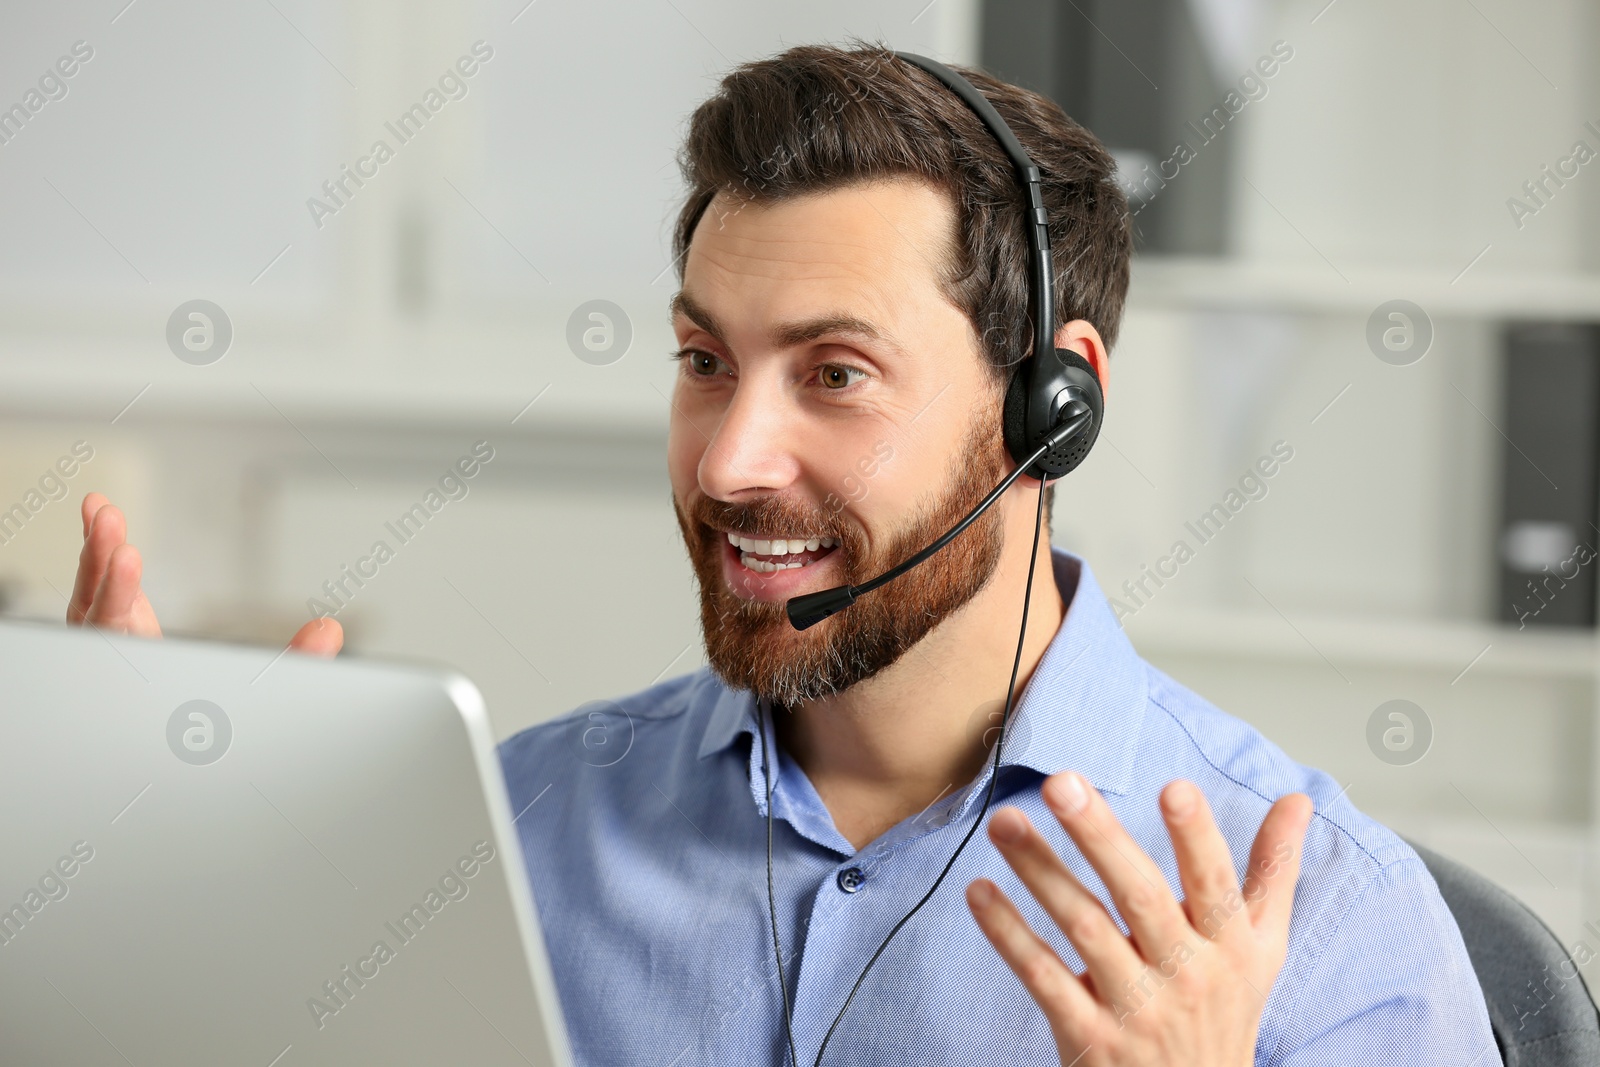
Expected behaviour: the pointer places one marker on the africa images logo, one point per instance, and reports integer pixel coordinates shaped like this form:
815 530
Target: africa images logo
199 732
452 85
1252 485
453 885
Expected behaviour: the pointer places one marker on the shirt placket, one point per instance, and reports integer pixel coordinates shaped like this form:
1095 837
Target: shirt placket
855 905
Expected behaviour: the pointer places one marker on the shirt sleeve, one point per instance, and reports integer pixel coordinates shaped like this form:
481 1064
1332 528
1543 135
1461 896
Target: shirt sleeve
1393 984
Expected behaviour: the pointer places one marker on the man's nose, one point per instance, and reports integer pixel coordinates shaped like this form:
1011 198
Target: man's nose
753 448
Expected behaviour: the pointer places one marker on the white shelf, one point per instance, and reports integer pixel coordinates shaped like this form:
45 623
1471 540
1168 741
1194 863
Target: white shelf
438 376
1446 647
1313 286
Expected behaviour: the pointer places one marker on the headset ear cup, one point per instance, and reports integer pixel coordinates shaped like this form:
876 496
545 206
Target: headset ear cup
1014 414
1086 379
1021 438
1081 373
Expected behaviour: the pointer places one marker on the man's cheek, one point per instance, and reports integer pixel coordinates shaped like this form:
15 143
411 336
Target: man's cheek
683 461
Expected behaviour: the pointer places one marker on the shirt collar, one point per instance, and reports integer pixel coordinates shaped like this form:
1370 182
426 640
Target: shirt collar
1082 709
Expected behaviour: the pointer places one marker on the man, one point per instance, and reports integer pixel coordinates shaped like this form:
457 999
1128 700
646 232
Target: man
1160 883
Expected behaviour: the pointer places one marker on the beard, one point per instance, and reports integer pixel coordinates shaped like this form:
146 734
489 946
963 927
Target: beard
751 645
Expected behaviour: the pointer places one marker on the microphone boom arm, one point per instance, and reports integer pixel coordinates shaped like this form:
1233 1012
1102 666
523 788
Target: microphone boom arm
806 611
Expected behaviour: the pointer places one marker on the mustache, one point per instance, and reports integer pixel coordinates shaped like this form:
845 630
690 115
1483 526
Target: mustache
768 515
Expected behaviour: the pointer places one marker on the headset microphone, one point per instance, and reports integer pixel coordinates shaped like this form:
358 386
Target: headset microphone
808 610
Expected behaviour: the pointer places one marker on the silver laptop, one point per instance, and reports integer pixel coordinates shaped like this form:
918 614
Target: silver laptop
219 854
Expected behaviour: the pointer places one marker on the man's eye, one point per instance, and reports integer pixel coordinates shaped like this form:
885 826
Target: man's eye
837 376
701 364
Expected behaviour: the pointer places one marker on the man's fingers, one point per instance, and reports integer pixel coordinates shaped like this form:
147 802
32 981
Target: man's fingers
1069 1007
319 637
92 502
1275 862
1076 911
104 530
1137 887
1205 865
114 600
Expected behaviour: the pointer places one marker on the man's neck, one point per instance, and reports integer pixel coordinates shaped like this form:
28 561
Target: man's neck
891 746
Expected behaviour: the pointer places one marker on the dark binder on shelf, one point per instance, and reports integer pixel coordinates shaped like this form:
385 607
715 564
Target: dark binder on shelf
1548 540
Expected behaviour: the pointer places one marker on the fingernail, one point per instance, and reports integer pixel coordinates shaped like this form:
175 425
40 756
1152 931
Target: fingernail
1006 827
1181 799
982 894
1070 791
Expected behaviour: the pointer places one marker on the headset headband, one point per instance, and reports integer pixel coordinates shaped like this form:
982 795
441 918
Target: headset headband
1036 221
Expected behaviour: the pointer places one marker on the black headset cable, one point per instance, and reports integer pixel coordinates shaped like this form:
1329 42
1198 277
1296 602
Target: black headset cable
994 774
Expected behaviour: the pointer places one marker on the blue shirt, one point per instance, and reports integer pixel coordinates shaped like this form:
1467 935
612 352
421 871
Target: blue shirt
643 826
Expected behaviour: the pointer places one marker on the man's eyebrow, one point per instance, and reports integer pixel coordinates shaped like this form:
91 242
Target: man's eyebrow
686 305
788 334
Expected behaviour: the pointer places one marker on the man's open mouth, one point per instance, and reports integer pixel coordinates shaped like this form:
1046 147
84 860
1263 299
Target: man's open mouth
764 555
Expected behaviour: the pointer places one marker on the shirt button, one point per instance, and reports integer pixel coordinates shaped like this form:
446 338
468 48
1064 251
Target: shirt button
851 879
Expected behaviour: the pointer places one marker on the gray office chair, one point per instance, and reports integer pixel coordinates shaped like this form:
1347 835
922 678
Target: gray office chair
1541 1016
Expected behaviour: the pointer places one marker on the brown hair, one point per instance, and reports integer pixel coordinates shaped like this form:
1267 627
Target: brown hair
818 117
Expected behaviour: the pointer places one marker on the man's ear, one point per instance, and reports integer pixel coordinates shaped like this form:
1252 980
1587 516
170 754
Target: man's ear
1081 337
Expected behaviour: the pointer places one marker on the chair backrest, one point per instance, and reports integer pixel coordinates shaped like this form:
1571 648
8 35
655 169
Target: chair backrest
1539 1006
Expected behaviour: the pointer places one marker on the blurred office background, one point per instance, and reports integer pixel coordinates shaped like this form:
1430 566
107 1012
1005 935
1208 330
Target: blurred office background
1333 265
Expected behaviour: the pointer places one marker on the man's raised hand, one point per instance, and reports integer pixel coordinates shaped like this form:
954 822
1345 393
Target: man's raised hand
108 596
1189 985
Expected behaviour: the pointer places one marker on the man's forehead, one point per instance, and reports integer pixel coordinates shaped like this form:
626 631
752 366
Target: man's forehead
860 255
900 227
907 188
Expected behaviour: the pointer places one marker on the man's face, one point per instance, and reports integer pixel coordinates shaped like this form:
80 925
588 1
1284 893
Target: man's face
830 397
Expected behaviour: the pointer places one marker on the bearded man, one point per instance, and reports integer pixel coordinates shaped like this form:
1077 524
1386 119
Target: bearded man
717 860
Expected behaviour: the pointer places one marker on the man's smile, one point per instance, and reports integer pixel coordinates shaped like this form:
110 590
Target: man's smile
767 554
774 565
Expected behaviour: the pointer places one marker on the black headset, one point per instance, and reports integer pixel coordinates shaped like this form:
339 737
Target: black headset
1053 408
1044 390
1054 402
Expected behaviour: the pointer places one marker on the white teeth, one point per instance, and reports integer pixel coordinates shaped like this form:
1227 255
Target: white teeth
761 566
779 547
